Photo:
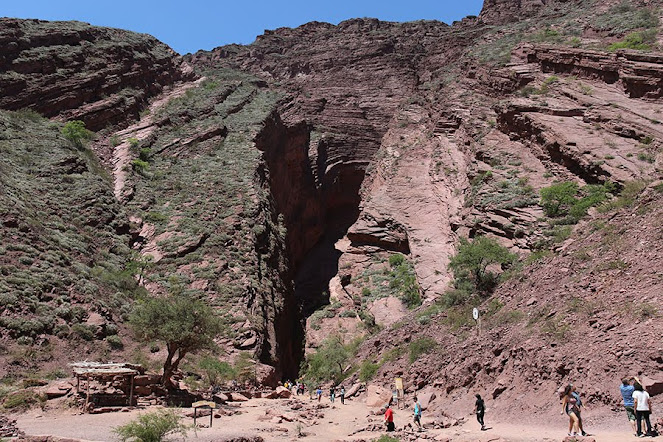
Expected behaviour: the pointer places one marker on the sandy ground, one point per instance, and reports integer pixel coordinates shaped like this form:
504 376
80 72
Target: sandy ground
339 422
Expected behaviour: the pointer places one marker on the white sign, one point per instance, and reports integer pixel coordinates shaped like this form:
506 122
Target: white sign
475 313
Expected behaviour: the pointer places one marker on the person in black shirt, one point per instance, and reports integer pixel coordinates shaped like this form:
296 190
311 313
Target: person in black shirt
480 409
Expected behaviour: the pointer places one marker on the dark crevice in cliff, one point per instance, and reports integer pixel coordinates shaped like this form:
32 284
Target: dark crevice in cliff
317 205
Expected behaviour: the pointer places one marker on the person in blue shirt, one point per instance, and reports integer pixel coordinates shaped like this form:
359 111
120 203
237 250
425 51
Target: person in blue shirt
417 413
627 389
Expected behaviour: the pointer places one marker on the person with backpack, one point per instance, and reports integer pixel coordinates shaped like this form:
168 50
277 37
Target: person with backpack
417 413
642 405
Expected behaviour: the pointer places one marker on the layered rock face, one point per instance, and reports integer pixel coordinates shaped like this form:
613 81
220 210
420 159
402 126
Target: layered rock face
76 71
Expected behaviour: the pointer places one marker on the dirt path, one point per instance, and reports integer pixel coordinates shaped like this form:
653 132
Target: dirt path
331 422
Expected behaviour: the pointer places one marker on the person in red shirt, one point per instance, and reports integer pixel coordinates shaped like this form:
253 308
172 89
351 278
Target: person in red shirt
389 417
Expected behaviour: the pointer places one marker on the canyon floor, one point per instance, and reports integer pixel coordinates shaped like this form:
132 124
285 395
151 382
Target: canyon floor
332 422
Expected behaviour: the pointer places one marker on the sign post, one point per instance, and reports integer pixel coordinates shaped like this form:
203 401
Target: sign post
399 391
475 315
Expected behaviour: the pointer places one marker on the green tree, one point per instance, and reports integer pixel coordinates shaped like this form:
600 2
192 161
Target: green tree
151 427
185 324
328 362
470 264
558 199
76 132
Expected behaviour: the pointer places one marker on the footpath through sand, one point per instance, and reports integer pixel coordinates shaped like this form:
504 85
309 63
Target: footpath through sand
326 422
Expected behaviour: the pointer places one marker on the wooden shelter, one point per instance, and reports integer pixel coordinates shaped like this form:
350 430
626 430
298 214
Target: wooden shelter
97 371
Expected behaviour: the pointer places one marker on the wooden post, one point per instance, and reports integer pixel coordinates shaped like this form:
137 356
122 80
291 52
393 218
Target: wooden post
131 392
211 415
87 397
195 414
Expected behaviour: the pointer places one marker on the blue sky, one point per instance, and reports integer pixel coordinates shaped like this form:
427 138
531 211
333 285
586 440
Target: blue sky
204 24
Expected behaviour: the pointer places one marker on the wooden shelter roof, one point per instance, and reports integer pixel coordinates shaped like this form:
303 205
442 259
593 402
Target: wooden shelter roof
101 369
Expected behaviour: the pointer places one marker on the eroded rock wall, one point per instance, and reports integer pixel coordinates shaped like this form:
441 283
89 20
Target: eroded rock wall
73 70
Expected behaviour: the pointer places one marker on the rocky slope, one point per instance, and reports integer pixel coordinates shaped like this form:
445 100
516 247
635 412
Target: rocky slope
281 180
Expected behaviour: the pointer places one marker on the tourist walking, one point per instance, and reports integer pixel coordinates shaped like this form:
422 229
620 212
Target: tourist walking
579 405
480 409
332 393
319 393
389 417
642 406
570 408
342 393
417 413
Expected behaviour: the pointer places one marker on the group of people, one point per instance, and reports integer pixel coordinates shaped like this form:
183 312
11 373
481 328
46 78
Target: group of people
389 415
332 393
637 405
636 400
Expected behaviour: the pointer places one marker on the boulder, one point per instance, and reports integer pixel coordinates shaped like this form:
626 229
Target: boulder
283 392
653 386
272 395
142 390
57 390
266 375
578 439
147 379
353 390
425 398
220 398
377 396
237 397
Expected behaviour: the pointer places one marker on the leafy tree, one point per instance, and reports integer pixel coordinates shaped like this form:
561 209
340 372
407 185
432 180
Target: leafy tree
328 362
76 132
470 265
558 199
184 323
151 427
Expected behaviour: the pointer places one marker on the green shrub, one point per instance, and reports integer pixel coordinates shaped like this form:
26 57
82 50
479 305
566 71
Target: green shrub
396 260
421 346
152 427
133 142
367 370
216 371
22 400
145 154
625 17
76 132
385 438
115 342
140 166
641 41
557 199
83 331
470 264
328 362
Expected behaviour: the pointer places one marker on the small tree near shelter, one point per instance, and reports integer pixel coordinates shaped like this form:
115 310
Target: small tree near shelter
184 323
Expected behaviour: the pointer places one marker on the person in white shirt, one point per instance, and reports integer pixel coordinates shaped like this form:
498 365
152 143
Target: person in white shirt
642 405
